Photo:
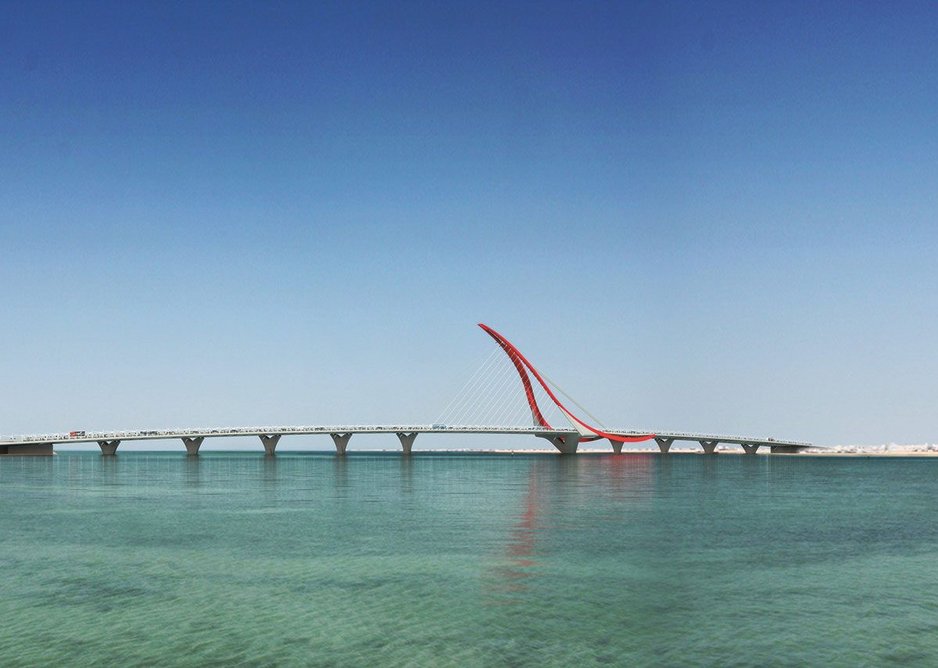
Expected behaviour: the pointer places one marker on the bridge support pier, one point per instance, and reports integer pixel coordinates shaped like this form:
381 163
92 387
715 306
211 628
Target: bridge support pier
108 448
193 444
664 444
710 447
341 442
270 443
616 446
750 448
407 441
566 444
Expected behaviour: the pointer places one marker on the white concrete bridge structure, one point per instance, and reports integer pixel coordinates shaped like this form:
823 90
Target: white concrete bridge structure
192 439
566 439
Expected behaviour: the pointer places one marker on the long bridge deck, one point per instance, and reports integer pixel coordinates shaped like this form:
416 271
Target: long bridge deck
41 444
565 440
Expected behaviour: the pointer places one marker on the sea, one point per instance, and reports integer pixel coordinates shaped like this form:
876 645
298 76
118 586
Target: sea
376 559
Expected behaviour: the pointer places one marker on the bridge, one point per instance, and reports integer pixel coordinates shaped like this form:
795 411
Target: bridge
565 435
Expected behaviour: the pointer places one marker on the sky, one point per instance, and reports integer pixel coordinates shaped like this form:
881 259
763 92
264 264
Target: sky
717 217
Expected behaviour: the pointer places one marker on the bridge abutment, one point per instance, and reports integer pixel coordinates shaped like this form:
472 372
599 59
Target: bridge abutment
709 447
270 443
27 450
341 442
407 440
193 444
785 449
108 448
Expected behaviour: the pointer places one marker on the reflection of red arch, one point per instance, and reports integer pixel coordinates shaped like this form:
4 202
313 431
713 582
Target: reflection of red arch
522 365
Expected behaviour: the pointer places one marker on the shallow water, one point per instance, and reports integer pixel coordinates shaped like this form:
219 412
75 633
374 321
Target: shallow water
376 559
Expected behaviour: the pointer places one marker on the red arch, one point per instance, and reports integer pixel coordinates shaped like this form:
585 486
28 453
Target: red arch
519 362
522 365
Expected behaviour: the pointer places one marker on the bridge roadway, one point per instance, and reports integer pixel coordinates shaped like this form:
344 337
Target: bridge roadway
566 441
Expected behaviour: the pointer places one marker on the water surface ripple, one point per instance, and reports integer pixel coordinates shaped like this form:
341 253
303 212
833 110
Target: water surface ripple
445 560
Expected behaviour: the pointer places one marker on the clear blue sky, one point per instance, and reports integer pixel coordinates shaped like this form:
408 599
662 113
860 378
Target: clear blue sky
704 216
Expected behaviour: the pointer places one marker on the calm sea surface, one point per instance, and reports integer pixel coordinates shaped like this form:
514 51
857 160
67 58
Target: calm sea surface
435 560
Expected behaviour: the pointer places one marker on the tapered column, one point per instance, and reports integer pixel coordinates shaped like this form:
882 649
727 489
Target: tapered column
108 448
566 444
709 447
664 444
193 444
750 448
407 441
341 442
270 443
616 446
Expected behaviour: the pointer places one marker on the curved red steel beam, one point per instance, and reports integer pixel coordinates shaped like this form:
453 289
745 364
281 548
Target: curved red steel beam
521 362
517 360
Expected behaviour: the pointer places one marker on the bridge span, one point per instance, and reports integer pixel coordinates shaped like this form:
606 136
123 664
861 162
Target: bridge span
565 441
565 438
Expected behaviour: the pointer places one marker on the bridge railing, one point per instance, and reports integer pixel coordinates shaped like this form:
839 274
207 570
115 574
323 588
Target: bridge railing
128 434
148 434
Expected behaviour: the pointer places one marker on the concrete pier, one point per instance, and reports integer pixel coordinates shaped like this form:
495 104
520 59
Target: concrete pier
750 448
616 446
709 447
407 440
270 443
664 444
566 443
341 442
108 448
193 444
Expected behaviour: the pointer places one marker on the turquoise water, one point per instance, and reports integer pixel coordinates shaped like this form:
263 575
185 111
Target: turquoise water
307 559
